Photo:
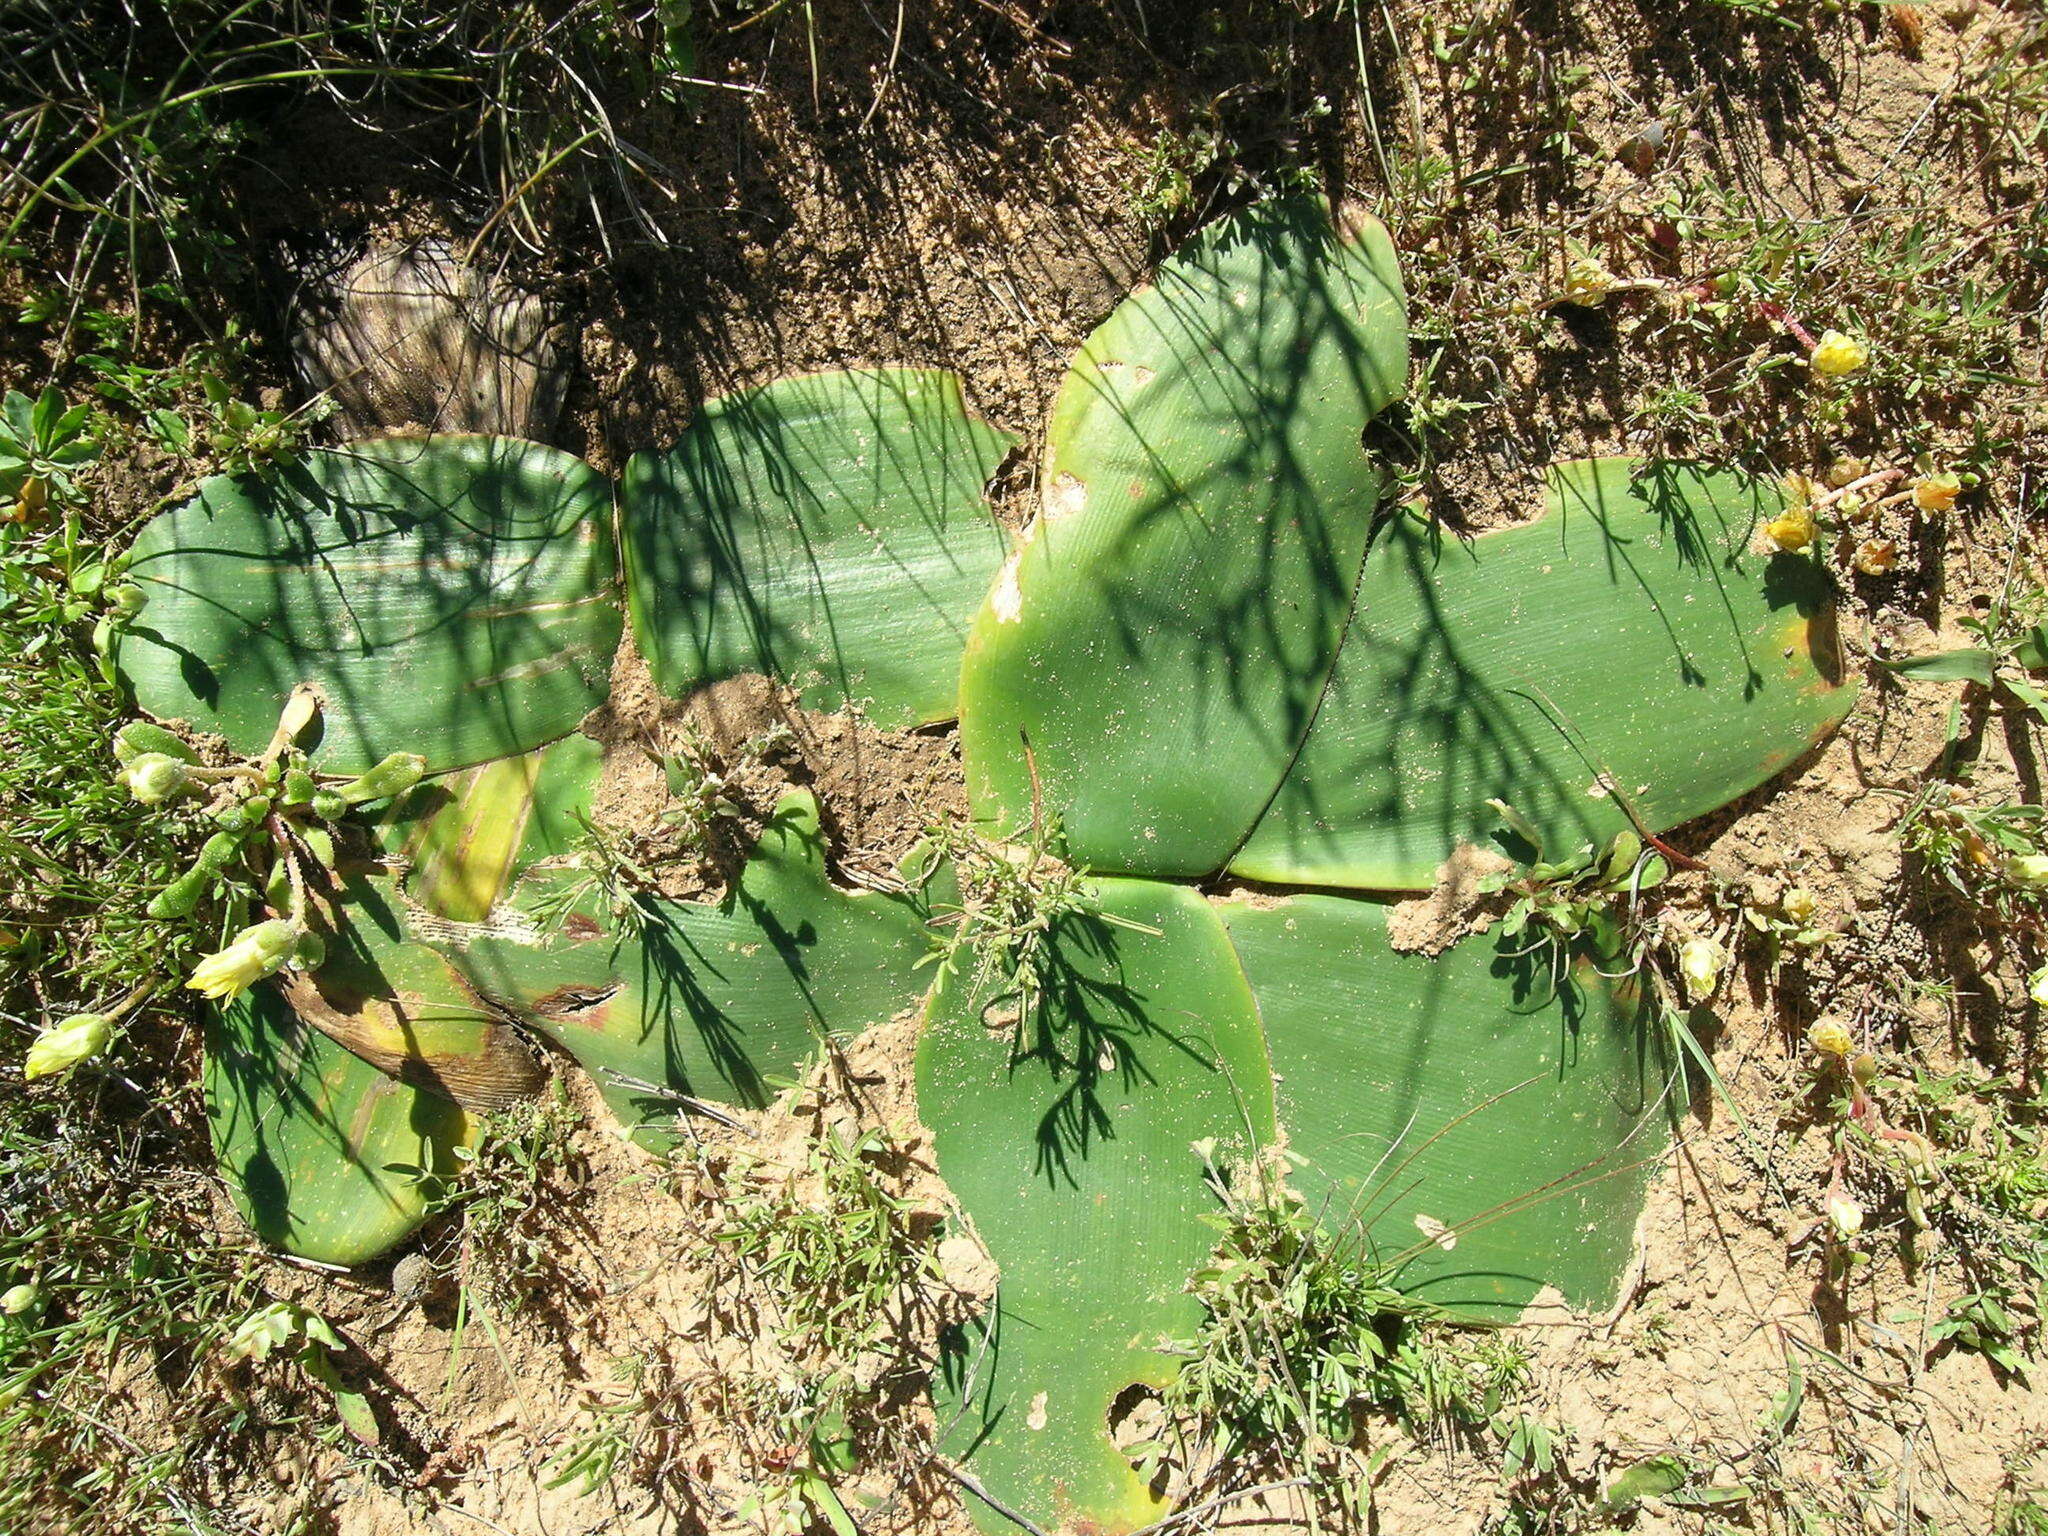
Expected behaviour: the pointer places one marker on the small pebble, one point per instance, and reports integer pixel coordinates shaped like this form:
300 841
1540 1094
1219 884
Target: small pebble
410 1275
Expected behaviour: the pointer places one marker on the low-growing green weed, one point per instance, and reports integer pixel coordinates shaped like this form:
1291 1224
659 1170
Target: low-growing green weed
503 1193
831 1259
1004 902
1980 1322
1995 857
1305 1336
110 1279
624 1429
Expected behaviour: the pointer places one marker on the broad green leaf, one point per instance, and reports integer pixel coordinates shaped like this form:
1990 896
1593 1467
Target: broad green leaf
397 1004
1067 1140
1653 1478
317 1146
468 835
1631 647
1965 664
450 596
828 530
1162 637
711 1001
1518 1123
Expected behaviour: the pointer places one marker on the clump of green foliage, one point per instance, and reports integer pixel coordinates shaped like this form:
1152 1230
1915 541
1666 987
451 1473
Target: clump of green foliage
1009 898
80 861
629 1425
828 1255
107 1266
1306 1339
128 127
1995 857
1004 902
503 1192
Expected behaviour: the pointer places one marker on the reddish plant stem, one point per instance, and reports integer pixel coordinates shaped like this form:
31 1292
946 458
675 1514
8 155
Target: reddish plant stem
1784 317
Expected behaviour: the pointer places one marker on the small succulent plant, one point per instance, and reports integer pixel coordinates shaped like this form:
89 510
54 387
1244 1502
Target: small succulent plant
1214 662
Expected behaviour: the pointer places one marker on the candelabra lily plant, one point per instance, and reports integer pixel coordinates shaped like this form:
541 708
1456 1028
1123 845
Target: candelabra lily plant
1218 704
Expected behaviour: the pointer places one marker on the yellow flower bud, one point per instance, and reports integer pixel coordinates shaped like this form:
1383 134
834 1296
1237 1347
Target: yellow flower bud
1844 471
1937 493
1830 1038
154 777
64 1046
2037 986
1836 354
255 952
1919 1156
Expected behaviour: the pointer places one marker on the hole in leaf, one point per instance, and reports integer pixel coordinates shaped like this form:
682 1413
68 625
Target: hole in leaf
1139 1426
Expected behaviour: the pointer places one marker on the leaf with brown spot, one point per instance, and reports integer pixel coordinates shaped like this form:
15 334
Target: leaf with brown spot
712 1001
400 1006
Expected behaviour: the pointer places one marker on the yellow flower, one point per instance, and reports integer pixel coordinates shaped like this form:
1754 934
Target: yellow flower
263 1330
64 1046
1700 962
1845 1216
28 507
1936 493
255 953
1799 905
1793 530
1830 1038
1875 557
1835 354
1588 283
2028 869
